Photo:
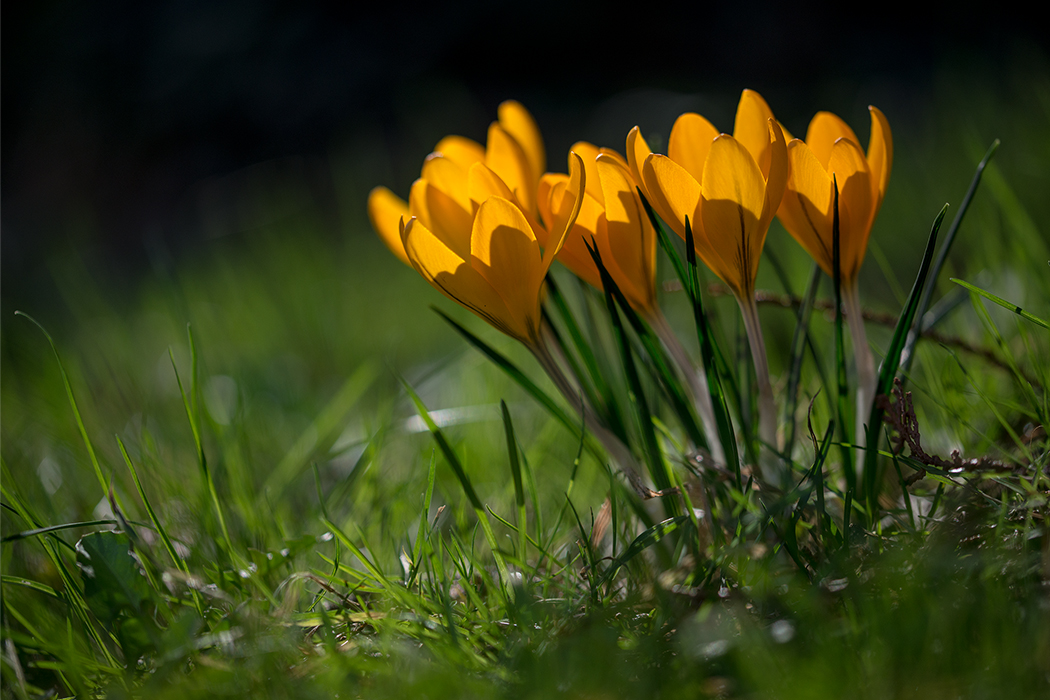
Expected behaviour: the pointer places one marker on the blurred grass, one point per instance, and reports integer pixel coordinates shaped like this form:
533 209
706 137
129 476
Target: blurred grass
303 321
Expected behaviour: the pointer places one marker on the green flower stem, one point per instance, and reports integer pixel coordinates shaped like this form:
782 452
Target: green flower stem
767 412
694 377
865 363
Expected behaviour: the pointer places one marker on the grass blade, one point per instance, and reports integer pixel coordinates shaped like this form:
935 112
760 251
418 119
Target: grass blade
72 403
519 488
924 303
658 468
1003 303
468 487
642 542
708 352
889 369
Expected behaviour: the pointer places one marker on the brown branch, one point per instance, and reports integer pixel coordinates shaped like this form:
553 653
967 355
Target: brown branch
900 416
788 301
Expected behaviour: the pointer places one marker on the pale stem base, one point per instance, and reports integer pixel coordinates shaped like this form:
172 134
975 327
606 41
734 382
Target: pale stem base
865 363
767 412
696 378
618 452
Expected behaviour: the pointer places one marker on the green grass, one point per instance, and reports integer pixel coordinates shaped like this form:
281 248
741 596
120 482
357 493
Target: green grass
329 493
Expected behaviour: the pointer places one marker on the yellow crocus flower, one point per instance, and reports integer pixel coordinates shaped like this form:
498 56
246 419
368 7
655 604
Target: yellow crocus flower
729 188
831 156
441 197
832 149
499 273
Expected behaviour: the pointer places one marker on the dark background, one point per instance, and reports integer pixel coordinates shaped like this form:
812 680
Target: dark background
120 118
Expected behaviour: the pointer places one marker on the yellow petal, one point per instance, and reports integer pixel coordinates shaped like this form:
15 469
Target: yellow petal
483 183
824 130
520 124
806 209
777 175
547 203
690 142
637 151
589 152
386 210
504 155
615 155
503 248
576 188
628 243
751 130
454 277
673 193
880 153
447 176
441 215
734 196
588 226
460 150
856 204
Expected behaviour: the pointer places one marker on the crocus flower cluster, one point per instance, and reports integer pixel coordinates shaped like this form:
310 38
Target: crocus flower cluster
484 223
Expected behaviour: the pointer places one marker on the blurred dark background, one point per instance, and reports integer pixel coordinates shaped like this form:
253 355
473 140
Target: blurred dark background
132 130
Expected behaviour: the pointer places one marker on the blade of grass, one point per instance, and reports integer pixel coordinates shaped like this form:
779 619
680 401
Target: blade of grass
602 396
72 403
515 471
889 370
658 467
642 542
942 255
468 487
708 353
191 403
1003 303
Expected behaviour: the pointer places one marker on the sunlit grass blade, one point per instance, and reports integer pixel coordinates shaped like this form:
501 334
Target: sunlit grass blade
660 364
889 368
708 353
468 487
1003 303
72 403
191 403
654 458
25 534
915 333
527 384
169 547
519 487
594 382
